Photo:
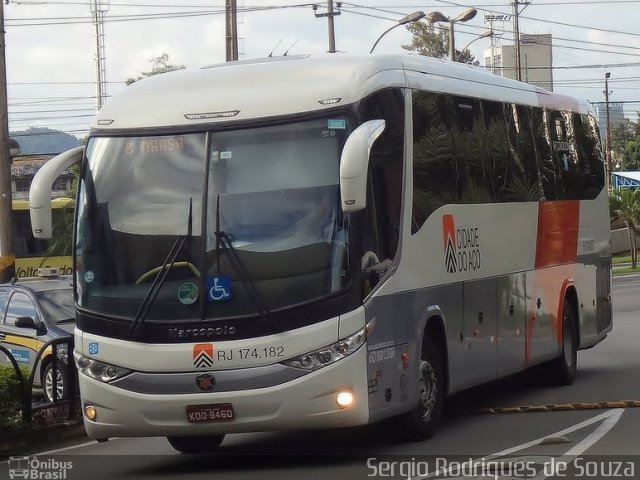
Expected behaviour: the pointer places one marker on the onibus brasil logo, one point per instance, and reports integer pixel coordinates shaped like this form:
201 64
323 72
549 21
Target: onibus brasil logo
462 251
33 468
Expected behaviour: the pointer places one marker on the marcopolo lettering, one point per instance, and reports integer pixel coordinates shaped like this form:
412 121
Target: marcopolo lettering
201 332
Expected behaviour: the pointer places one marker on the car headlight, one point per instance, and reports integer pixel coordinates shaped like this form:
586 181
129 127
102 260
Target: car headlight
104 372
329 354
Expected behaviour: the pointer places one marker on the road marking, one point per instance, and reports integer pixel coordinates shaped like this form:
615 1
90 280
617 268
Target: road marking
58 450
608 419
553 407
578 426
70 447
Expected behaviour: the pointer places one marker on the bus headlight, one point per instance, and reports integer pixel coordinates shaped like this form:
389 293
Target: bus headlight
104 372
329 354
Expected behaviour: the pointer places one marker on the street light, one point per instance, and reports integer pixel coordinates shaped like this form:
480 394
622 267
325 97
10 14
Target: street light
488 33
411 18
435 17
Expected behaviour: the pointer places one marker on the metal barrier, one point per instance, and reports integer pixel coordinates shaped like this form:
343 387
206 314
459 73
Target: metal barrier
70 391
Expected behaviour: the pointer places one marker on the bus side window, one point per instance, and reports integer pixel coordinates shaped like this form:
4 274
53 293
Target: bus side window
434 171
590 162
522 184
549 171
384 191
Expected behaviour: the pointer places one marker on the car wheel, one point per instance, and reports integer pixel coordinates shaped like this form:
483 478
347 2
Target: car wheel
199 444
61 382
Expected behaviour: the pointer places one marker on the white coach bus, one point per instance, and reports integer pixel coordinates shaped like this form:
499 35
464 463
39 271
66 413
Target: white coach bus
319 242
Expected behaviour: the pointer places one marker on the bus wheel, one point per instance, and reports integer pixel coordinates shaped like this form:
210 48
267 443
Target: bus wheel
562 370
421 422
200 444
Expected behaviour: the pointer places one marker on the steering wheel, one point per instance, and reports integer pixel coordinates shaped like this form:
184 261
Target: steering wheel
154 271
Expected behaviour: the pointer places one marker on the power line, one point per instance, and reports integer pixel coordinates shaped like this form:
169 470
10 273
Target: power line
546 20
507 38
41 21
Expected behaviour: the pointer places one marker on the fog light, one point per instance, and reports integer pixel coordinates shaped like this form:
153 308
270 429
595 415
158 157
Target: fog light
344 399
90 412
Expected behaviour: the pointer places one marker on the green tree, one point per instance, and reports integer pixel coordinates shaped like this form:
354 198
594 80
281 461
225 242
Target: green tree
624 206
625 143
430 42
158 65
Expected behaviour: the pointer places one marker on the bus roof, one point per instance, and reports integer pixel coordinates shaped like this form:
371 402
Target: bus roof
268 87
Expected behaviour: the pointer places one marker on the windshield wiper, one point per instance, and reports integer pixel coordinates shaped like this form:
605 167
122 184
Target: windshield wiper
224 239
161 276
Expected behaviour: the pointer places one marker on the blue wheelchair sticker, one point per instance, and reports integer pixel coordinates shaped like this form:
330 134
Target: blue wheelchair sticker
93 348
219 288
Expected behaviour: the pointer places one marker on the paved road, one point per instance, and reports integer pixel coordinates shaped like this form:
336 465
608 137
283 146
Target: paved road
608 372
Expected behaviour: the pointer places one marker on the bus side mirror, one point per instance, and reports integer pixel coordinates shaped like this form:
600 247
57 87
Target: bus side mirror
40 191
354 164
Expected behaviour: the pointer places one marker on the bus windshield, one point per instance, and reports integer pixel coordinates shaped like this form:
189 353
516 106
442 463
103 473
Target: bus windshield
259 209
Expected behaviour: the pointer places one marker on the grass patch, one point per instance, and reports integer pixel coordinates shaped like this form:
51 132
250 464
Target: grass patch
621 258
625 270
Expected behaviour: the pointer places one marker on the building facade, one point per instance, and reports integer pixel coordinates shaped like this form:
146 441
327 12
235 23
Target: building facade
536 60
616 116
24 167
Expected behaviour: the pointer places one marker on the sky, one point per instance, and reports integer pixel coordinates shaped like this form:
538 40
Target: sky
51 44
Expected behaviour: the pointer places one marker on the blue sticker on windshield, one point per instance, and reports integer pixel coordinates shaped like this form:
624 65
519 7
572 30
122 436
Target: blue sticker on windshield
337 124
219 288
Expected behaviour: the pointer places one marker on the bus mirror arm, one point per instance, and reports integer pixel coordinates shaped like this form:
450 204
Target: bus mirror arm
354 164
40 191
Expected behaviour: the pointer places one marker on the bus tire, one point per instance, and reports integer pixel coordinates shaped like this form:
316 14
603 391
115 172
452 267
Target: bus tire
562 370
421 422
197 444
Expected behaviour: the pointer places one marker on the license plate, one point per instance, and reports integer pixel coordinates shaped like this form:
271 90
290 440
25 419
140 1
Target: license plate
217 412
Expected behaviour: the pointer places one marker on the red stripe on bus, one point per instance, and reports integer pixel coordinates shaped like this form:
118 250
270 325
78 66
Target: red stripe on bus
448 230
558 224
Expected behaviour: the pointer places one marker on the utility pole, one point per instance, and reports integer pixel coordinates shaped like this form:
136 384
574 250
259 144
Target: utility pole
606 99
98 10
330 14
332 30
516 37
7 257
231 15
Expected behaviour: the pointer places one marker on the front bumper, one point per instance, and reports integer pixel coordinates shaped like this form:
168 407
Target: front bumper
303 403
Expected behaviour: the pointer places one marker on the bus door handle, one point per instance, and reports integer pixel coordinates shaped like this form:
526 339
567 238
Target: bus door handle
480 317
511 310
539 303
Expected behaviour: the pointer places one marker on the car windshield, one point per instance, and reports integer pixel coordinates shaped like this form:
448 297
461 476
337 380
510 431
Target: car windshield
273 192
57 305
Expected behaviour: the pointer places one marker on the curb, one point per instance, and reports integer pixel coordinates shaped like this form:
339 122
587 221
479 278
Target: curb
30 441
625 277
